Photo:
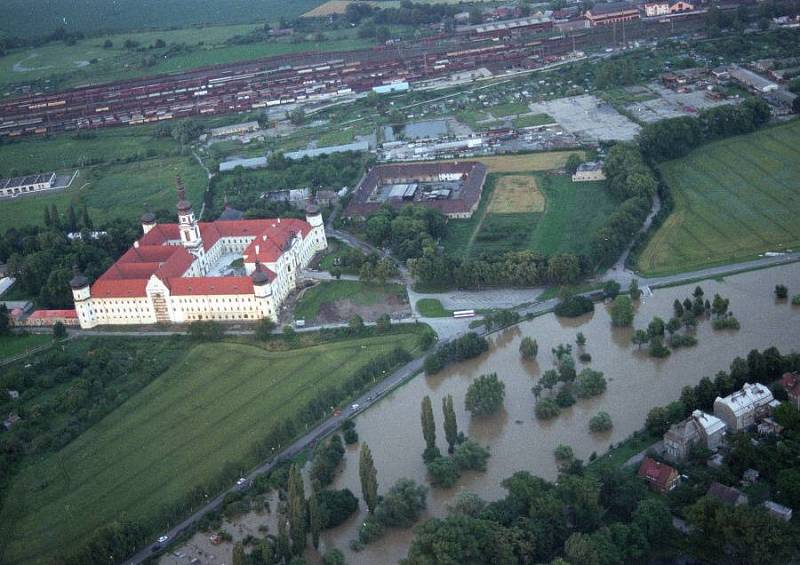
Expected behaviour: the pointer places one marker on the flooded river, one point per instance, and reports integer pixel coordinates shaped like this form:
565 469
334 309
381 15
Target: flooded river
517 441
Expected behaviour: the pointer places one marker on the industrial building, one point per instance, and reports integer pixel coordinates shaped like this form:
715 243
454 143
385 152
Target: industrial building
234 129
15 186
611 13
751 80
453 188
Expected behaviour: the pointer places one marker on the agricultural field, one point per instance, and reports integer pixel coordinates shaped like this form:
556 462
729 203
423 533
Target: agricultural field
532 120
211 407
87 61
509 109
29 19
734 199
552 215
338 301
528 162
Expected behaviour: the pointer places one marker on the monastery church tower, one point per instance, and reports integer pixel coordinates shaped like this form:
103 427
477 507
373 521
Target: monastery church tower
187 223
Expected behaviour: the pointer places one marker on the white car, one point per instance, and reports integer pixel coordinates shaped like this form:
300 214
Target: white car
241 481
162 539
354 406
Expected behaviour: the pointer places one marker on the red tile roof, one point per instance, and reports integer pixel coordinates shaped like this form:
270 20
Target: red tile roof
49 314
155 256
791 383
660 474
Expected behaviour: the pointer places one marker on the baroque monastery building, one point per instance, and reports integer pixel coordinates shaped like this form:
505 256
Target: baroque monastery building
180 273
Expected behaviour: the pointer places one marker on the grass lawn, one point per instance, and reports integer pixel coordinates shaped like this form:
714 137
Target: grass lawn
471 118
432 308
112 191
210 408
526 162
509 109
11 345
572 212
532 120
356 291
335 250
734 199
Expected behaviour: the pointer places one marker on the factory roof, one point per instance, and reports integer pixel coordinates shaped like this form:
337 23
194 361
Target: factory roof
611 8
27 180
355 146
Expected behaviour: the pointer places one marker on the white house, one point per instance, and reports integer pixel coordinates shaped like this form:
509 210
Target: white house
741 409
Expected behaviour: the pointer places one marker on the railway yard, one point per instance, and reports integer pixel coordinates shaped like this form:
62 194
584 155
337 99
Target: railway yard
311 78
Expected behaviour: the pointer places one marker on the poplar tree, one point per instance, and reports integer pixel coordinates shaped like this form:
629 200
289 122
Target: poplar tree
369 478
55 219
297 511
450 424
239 558
72 219
314 519
428 424
282 543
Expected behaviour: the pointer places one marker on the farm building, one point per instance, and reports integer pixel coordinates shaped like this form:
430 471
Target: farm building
590 171
453 188
611 13
743 408
27 184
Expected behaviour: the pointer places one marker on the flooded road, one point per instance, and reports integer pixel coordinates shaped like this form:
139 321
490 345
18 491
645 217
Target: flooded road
517 441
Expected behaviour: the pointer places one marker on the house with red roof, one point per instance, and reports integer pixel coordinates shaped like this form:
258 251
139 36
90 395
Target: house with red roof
659 476
189 271
791 384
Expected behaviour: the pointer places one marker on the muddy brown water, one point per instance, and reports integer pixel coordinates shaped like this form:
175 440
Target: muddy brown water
517 441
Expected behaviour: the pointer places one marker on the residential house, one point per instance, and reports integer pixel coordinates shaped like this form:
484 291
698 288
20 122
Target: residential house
750 477
727 495
699 428
659 476
743 408
12 419
680 6
589 171
791 384
655 9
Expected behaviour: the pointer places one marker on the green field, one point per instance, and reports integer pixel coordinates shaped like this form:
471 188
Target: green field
356 291
113 191
210 408
509 109
88 62
33 19
532 120
432 308
734 199
573 212
11 345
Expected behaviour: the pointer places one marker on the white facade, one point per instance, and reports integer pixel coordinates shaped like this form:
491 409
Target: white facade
741 409
164 280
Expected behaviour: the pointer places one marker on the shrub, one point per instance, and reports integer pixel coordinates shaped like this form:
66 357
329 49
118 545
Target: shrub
781 292
471 456
264 329
335 506
465 347
590 383
796 299
563 452
485 395
564 398
601 422
547 409
206 331
680 340
729 323
574 306
585 357
658 349
528 348
443 472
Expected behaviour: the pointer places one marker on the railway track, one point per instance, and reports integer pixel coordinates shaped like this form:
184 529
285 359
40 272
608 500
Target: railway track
302 78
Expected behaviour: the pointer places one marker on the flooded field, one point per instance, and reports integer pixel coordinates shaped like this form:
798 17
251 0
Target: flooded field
515 438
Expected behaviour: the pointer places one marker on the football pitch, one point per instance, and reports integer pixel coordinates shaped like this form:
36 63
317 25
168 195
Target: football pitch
734 199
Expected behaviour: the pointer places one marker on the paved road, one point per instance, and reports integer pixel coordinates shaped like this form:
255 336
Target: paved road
307 440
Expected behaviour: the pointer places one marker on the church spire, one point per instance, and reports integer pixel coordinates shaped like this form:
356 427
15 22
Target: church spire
183 204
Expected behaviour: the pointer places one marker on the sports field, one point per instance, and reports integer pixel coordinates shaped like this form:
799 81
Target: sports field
734 199
571 213
209 409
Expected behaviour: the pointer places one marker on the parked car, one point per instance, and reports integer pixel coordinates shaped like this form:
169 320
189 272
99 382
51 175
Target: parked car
241 482
162 539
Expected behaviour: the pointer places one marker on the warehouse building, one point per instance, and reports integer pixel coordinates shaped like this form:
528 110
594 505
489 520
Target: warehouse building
15 186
